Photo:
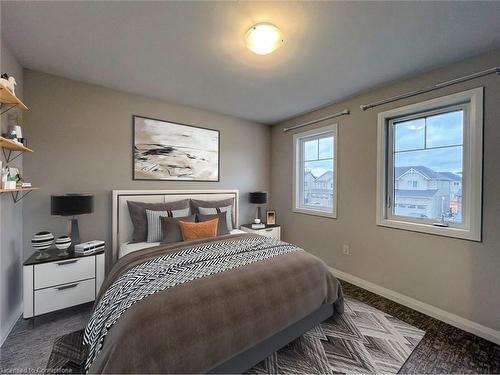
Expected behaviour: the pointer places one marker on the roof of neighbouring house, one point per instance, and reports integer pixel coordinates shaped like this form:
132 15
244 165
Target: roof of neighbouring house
427 173
326 176
452 176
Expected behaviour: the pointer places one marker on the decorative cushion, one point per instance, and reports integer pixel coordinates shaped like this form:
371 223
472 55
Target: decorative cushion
137 211
170 228
221 227
154 224
196 231
196 204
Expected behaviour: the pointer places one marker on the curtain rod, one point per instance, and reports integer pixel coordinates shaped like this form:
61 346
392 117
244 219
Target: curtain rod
338 114
482 73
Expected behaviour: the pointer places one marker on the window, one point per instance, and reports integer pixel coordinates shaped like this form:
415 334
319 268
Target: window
315 172
429 173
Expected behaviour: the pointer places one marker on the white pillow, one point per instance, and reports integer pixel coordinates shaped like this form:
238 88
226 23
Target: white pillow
211 211
154 223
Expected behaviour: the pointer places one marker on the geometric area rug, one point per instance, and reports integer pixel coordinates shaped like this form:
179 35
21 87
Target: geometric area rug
362 340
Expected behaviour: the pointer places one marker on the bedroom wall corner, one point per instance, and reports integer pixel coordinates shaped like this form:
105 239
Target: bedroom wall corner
11 221
82 137
457 276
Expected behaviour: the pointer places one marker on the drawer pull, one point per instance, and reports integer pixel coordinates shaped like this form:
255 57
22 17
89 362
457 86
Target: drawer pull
67 262
269 230
67 286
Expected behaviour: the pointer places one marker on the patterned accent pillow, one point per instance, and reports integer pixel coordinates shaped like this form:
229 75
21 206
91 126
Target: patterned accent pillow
197 231
217 210
154 223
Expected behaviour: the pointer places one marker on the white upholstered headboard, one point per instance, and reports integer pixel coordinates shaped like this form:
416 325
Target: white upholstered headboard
122 225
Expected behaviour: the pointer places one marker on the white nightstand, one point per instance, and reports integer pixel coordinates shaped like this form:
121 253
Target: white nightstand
273 231
60 281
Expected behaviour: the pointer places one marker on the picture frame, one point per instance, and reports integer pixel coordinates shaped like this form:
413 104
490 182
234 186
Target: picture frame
172 151
270 217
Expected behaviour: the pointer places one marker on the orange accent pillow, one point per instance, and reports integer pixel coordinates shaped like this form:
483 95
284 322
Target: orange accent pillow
196 231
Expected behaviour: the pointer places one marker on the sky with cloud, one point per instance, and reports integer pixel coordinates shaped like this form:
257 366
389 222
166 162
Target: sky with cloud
434 142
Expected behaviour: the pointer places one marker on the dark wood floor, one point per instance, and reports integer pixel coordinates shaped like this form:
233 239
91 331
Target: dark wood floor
444 348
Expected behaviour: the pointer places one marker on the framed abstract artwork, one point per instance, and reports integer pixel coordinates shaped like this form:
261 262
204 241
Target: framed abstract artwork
165 150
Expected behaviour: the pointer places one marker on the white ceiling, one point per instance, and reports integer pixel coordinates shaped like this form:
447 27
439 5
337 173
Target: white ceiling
194 53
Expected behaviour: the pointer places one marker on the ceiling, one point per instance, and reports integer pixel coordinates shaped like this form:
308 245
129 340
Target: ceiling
194 53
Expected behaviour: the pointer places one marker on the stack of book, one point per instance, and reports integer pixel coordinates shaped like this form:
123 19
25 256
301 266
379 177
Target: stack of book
258 226
89 247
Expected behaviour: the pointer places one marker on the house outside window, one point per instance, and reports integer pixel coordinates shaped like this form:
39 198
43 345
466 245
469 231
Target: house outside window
429 173
315 169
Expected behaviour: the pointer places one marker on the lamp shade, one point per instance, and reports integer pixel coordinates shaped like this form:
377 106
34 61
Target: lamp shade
71 204
258 197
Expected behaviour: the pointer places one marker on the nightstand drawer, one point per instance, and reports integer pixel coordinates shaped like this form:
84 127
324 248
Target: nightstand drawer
60 297
270 232
64 271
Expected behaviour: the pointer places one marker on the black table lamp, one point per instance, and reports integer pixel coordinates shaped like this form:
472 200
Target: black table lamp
72 205
258 198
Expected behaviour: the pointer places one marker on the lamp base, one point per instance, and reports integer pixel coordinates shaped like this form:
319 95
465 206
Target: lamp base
258 215
75 232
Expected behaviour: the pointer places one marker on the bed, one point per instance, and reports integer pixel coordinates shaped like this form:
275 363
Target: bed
217 305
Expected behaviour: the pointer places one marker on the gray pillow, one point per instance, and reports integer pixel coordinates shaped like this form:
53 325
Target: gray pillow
171 229
154 225
221 226
228 211
137 211
196 204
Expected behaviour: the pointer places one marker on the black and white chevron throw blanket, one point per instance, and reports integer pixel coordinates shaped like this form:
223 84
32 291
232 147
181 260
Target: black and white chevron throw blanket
170 270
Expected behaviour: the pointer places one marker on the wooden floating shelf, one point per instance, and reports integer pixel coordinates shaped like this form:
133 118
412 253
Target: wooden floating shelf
17 189
7 97
13 146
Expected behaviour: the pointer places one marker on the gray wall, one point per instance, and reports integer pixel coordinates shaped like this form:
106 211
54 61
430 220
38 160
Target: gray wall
82 137
458 276
11 221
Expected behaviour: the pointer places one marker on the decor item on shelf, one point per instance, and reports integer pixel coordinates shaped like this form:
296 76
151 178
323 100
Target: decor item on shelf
72 205
8 82
258 198
271 217
42 241
19 131
63 243
9 135
165 150
10 177
10 184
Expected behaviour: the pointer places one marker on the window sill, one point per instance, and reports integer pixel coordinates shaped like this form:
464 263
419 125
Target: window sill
307 211
465 234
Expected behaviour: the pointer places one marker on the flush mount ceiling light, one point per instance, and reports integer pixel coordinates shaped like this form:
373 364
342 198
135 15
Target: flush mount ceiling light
263 38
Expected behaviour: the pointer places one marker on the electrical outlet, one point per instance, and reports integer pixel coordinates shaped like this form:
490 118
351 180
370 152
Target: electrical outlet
346 249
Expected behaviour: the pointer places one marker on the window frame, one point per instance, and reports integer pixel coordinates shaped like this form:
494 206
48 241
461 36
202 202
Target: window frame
298 176
471 101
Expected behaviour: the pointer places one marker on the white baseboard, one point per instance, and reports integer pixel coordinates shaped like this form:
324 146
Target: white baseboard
477 329
12 323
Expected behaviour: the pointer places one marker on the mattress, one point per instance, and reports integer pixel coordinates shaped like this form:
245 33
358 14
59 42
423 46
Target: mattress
127 247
